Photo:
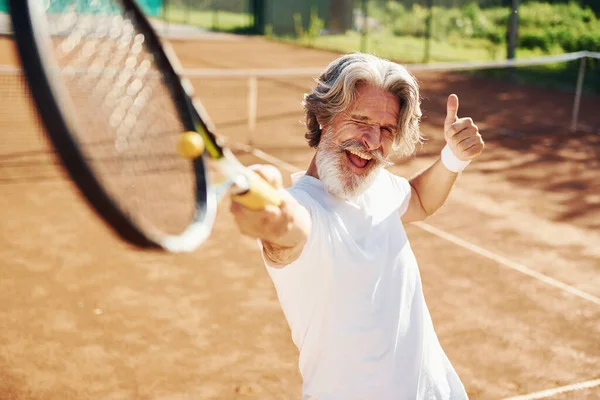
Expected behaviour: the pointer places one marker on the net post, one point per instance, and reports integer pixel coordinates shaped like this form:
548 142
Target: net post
513 29
188 9
364 34
252 105
429 23
167 23
576 102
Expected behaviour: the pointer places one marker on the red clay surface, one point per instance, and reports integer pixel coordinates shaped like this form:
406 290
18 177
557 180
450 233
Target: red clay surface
83 316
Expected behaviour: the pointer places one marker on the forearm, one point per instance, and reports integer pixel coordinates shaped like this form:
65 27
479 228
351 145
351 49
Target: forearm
286 246
433 186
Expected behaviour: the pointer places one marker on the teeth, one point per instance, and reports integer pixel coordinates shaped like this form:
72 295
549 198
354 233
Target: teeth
361 155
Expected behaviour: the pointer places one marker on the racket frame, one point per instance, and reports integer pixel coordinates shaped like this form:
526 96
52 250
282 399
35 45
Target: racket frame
244 185
33 43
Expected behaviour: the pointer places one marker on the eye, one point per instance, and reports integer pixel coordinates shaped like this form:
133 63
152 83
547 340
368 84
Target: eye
389 132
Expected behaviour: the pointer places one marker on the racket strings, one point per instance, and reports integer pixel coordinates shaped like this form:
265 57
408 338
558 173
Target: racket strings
127 122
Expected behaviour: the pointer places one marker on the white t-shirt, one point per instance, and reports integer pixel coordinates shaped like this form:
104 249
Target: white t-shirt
354 301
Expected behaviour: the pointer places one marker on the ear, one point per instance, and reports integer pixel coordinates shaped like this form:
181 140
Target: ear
320 122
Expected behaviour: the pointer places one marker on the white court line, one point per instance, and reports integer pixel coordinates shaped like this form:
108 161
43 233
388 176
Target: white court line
266 157
562 389
507 263
451 238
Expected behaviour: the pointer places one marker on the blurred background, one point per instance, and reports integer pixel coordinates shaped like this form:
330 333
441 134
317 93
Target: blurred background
414 31
510 267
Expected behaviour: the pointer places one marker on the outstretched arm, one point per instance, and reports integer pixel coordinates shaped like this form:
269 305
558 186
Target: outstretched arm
283 231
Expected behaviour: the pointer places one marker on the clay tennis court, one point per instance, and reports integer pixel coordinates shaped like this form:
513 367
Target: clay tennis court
510 266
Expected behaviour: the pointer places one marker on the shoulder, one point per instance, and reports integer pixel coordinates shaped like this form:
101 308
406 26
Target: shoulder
396 183
391 192
309 192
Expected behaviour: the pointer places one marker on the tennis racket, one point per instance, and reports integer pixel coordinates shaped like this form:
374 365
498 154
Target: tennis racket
123 120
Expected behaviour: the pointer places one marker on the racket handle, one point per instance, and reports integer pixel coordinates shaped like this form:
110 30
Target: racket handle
260 193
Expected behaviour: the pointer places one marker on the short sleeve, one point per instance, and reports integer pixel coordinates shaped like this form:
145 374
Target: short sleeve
402 190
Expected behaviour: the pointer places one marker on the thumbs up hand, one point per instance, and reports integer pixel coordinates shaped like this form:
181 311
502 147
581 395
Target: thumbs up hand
461 134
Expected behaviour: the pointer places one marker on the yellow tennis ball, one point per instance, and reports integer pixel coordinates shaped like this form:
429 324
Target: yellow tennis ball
190 145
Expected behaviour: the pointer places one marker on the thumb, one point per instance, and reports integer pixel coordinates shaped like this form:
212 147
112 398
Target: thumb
451 111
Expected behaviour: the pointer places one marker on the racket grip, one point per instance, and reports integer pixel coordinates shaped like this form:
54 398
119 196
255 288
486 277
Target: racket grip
260 193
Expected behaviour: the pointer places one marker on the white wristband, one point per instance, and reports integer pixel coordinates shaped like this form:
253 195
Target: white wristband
451 162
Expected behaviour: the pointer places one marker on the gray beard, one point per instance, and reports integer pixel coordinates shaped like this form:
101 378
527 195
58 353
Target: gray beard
334 174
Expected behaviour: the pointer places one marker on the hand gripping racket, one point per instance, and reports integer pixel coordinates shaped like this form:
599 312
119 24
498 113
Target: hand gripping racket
123 121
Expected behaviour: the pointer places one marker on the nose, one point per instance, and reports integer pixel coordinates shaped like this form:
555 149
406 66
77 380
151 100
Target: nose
371 137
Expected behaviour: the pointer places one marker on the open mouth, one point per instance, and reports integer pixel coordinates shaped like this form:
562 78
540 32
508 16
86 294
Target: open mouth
358 159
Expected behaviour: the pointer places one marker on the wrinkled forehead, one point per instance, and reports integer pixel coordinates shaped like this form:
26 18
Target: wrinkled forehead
373 101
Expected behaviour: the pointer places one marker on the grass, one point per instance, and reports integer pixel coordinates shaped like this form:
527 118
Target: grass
411 50
408 49
222 21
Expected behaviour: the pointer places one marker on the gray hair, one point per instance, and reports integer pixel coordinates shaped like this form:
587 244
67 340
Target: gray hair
335 91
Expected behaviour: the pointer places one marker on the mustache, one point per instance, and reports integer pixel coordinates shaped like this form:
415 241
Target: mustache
358 146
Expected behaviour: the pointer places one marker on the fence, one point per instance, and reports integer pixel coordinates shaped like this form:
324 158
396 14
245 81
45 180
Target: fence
409 31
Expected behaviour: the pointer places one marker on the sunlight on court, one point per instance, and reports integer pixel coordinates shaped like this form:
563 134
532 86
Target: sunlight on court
510 266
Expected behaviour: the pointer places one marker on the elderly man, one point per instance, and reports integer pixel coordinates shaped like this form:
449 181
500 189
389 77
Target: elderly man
337 251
